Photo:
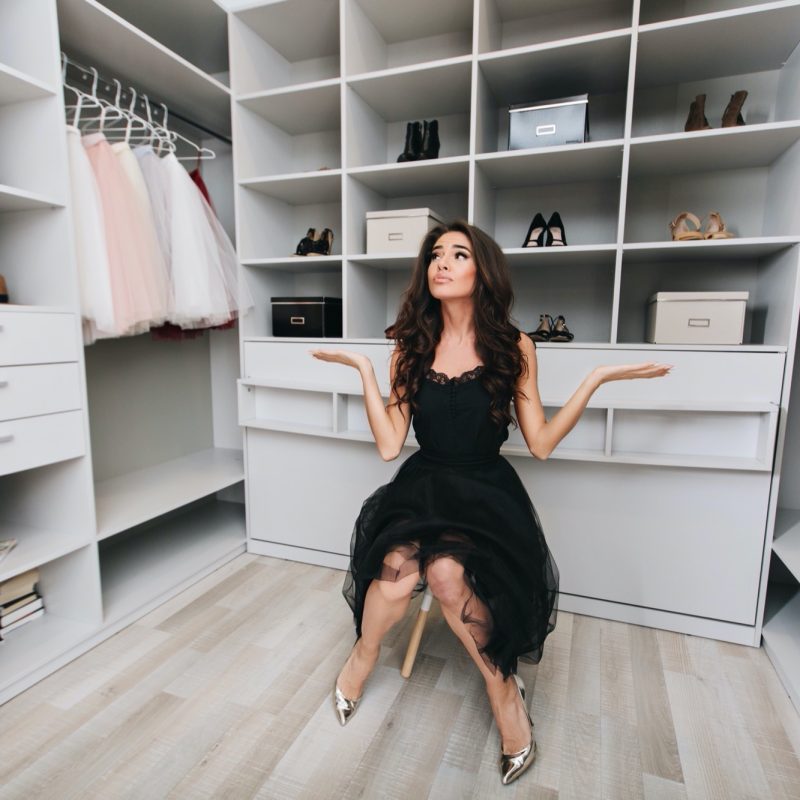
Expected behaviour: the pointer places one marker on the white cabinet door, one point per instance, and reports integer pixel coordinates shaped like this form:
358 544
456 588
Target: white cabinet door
306 491
682 540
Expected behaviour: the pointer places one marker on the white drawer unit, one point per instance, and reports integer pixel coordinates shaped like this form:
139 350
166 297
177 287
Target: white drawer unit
39 389
35 337
697 376
36 441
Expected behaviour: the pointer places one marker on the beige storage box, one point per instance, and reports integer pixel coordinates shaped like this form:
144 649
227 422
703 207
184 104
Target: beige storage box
696 317
400 230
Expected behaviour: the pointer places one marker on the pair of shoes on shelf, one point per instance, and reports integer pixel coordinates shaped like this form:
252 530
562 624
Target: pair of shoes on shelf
549 331
422 141
731 117
545 234
512 765
714 228
313 245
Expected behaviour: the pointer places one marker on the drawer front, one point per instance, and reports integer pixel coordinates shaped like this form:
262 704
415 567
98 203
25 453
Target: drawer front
34 338
36 441
40 389
697 376
291 360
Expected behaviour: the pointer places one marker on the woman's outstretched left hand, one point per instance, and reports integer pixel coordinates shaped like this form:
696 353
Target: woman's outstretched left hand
621 372
347 357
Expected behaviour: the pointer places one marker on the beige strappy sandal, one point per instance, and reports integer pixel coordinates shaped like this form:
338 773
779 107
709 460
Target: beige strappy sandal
681 231
716 229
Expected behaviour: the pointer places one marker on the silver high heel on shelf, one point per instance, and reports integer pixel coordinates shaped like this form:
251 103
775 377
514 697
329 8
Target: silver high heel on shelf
512 765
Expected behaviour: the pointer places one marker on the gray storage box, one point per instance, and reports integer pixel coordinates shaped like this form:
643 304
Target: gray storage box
696 317
400 230
548 123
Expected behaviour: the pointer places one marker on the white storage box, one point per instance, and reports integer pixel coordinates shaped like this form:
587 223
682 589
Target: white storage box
400 230
696 317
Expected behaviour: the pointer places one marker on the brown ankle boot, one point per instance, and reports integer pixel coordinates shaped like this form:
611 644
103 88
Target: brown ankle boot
696 121
733 113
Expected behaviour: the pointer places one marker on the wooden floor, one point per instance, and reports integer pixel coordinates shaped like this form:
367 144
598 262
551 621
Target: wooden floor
224 692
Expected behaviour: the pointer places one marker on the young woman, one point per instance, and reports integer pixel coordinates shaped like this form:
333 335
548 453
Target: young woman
456 516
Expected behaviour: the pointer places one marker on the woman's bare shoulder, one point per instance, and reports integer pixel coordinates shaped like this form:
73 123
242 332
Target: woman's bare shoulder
526 344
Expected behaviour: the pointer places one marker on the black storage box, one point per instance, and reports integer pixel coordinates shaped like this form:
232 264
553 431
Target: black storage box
549 122
306 316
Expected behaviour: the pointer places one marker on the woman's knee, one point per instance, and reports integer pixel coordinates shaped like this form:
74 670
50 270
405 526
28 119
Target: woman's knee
445 577
400 589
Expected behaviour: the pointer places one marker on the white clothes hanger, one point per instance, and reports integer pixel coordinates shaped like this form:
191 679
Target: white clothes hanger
202 154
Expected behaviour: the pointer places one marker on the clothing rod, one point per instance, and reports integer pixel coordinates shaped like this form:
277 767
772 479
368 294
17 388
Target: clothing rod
85 77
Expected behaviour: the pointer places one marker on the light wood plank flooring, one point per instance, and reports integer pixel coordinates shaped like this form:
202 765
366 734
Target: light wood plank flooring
224 692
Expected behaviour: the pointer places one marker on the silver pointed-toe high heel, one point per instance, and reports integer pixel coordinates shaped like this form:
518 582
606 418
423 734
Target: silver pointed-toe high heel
512 765
344 708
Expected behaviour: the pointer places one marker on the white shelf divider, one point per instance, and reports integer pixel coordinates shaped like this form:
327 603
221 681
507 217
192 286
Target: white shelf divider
739 147
139 496
16 86
34 547
744 248
13 199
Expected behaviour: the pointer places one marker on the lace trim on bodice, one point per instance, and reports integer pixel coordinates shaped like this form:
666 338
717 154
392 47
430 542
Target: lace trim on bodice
440 377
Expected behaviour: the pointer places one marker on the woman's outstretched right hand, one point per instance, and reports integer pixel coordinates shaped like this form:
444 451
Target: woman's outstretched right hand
347 357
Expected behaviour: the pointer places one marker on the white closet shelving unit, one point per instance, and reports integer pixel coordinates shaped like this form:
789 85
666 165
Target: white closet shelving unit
782 612
123 480
660 504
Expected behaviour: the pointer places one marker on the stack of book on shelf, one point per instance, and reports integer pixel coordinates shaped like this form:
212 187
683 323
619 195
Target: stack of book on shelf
20 602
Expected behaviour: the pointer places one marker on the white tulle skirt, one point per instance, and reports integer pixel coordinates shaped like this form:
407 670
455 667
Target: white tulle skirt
94 280
204 267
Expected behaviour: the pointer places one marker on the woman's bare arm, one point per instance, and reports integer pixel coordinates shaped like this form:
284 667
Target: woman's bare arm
389 424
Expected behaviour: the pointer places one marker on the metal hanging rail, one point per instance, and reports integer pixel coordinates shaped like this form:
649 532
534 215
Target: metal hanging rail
82 77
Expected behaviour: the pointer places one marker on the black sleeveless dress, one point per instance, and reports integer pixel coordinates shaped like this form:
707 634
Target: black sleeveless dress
457 496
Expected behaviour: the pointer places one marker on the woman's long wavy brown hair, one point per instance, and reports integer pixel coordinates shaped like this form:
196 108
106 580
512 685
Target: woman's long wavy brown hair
418 326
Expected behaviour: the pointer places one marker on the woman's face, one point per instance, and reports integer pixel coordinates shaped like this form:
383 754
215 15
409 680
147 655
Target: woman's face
452 270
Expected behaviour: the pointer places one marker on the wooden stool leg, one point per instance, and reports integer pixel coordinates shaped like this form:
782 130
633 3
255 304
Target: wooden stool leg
416 634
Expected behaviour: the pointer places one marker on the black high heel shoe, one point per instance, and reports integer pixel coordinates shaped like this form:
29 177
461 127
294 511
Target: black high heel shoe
537 231
556 235
307 244
324 244
542 333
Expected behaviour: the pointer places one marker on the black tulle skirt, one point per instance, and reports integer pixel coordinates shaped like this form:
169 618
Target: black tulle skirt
481 515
